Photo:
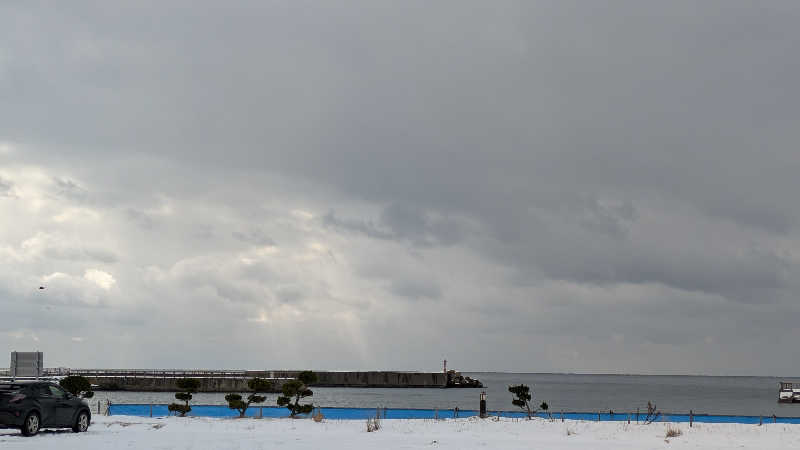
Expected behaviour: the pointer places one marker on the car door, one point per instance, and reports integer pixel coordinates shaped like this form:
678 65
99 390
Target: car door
64 407
47 405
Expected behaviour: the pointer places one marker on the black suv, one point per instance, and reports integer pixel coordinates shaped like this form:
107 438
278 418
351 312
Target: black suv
33 405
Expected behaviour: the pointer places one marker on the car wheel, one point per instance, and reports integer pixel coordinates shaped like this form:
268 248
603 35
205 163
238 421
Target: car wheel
31 425
82 423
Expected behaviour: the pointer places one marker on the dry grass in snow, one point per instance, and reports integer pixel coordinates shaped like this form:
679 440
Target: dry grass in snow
197 433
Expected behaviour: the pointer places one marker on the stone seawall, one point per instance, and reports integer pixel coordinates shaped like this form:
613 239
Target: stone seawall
382 379
156 383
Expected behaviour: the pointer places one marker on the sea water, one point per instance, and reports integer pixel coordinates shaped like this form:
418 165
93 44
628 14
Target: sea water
619 394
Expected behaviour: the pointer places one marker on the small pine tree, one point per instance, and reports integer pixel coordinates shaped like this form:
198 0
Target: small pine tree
77 385
523 398
256 385
298 389
188 385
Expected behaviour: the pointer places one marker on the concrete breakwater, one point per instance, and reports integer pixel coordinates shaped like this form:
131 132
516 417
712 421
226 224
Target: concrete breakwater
229 381
146 384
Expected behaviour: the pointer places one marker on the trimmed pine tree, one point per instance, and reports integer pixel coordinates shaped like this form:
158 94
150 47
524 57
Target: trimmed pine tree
257 385
523 397
77 385
296 390
188 386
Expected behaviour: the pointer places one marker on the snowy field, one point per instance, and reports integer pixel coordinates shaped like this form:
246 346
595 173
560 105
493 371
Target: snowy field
118 432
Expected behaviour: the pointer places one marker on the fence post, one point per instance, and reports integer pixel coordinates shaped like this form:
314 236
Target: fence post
691 418
774 419
98 407
760 420
637 415
629 418
598 417
260 412
151 410
562 415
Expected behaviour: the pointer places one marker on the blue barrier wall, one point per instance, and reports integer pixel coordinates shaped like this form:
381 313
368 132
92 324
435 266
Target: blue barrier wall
364 413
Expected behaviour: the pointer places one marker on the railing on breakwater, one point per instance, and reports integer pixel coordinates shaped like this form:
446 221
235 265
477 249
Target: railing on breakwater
215 380
161 373
211 373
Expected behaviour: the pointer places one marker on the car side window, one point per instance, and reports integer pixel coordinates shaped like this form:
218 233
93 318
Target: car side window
57 392
42 391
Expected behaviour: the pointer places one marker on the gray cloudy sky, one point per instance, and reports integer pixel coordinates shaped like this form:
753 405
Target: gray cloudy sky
526 186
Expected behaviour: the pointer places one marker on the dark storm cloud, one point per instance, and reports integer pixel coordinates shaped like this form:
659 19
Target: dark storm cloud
140 218
500 157
290 294
69 188
360 226
692 259
253 236
779 220
5 188
404 223
79 254
415 289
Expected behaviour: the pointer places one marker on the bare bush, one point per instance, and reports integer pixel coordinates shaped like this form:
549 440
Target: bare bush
652 413
373 424
673 432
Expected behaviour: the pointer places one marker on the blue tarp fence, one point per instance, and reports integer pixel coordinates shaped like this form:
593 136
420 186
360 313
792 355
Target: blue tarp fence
143 410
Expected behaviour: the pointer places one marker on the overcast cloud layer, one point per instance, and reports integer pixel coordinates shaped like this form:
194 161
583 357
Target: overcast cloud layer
521 186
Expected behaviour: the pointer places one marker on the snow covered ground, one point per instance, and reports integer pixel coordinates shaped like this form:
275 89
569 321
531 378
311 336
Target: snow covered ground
118 432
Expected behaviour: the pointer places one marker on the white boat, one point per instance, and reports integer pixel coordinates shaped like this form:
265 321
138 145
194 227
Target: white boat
788 393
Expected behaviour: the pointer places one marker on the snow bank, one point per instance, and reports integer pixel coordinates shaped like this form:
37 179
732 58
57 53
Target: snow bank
199 433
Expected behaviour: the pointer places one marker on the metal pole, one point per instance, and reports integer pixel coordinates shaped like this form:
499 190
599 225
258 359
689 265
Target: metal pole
151 410
691 418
